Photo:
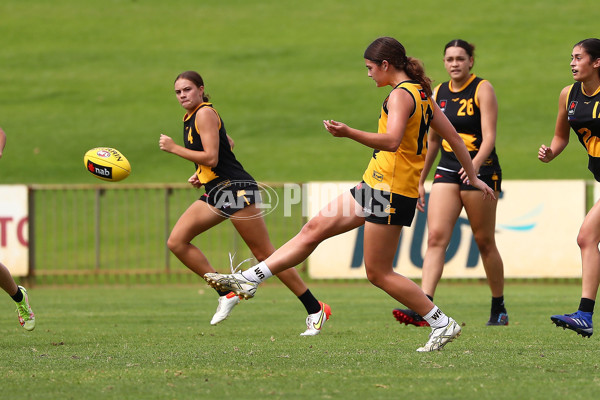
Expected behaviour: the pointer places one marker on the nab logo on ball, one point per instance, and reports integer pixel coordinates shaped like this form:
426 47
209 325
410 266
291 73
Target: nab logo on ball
107 164
100 171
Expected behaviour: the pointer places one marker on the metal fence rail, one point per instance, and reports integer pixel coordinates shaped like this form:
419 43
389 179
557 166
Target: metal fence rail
118 233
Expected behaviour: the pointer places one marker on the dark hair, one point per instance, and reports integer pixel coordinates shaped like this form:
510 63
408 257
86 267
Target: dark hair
592 47
390 50
468 47
196 79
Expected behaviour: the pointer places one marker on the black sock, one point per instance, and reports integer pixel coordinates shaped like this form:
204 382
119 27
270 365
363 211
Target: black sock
498 305
429 297
310 302
586 305
221 293
18 297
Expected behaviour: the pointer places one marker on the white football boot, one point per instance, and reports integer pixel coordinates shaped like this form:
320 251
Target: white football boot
315 322
440 336
234 282
226 304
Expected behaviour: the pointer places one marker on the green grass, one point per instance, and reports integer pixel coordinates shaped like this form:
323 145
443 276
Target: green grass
156 343
76 75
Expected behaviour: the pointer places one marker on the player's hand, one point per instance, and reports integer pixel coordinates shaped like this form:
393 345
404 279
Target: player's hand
487 191
166 143
545 154
194 181
463 176
421 199
337 129
231 142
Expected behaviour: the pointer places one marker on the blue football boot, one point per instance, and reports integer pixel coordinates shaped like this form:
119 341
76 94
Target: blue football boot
580 322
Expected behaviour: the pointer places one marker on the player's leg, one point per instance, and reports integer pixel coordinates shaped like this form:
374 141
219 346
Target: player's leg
253 230
198 218
482 218
19 295
443 209
588 240
7 282
341 215
380 243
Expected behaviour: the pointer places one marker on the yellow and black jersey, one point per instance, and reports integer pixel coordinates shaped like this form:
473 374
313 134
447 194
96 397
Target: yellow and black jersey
228 167
461 107
398 172
583 113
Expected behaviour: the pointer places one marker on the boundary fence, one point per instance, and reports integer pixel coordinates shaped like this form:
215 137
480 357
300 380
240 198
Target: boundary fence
118 233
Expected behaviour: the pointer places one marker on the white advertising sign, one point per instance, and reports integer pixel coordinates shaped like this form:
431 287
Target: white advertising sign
14 229
536 229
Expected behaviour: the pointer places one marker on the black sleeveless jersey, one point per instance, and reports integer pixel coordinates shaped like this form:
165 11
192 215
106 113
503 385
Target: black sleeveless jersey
228 167
462 109
583 113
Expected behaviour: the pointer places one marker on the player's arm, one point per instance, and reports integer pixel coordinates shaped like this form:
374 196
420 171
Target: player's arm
207 123
434 142
445 129
488 106
400 106
2 142
561 131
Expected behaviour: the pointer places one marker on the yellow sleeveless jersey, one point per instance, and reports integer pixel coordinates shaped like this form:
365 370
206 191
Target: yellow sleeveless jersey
399 172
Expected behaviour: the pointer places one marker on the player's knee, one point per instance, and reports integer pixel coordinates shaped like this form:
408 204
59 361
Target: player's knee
375 277
311 233
437 238
485 243
174 244
586 239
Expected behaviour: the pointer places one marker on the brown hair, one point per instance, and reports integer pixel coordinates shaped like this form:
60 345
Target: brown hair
390 50
196 79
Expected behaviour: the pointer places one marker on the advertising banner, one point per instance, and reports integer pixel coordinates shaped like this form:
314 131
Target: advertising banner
14 229
536 233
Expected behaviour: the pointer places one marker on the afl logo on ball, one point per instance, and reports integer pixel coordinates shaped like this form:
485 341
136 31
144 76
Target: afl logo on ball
103 153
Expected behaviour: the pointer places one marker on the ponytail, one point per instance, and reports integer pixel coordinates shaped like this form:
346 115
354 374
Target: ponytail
415 70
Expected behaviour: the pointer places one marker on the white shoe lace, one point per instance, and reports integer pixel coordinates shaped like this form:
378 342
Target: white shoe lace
237 268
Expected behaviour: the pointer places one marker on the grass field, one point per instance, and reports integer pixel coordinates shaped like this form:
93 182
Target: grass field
156 343
76 75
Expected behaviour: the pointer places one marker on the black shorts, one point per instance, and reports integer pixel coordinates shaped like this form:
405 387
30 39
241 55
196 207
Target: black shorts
493 180
383 207
229 197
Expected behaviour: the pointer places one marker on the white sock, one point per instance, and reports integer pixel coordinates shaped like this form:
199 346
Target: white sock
258 274
436 318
